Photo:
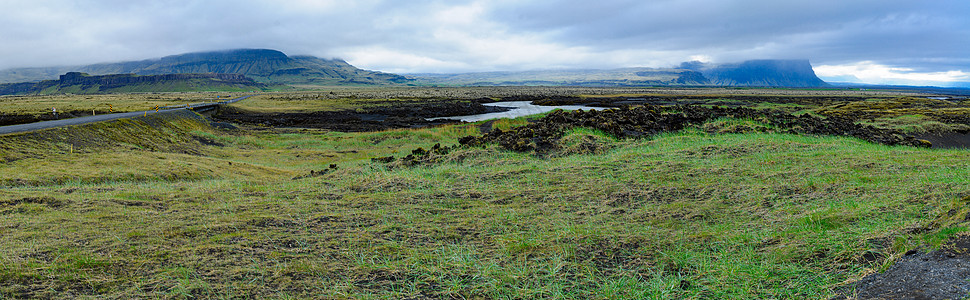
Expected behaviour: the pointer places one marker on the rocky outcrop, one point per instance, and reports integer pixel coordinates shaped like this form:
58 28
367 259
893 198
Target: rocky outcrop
17 88
77 82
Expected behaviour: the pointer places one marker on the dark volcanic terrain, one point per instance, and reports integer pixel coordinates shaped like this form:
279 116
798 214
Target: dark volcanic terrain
400 114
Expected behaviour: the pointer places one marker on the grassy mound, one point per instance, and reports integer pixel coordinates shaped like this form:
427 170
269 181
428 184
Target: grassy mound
169 147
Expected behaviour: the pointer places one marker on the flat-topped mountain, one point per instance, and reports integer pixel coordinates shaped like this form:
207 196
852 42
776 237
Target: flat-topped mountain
765 72
263 65
758 73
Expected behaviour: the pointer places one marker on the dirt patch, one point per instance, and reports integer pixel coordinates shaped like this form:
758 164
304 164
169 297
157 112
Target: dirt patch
136 203
45 200
939 274
15 119
486 127
208 142
313 173
948 139
378 116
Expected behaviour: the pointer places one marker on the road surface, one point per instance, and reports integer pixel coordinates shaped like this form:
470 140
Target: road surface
91 119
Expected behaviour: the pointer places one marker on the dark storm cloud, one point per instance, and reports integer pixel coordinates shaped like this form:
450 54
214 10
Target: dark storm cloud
428 35
828 31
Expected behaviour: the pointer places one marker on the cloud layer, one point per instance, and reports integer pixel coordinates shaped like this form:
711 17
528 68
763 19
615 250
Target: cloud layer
902 37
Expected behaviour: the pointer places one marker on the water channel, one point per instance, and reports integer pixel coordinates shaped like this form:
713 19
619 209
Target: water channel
518 109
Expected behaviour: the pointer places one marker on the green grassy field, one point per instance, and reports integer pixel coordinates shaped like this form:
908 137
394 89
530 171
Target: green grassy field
168 207
41 105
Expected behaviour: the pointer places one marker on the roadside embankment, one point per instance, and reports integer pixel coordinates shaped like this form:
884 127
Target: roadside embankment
173 145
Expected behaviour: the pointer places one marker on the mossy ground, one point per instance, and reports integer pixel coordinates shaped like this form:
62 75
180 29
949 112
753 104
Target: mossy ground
698 213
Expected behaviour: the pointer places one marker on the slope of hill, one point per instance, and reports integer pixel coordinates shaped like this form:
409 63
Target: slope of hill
82 83
263 65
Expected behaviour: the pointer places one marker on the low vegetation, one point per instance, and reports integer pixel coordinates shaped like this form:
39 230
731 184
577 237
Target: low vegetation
24 109
170 207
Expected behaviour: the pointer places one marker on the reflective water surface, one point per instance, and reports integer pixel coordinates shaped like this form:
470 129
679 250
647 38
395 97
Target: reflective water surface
519 109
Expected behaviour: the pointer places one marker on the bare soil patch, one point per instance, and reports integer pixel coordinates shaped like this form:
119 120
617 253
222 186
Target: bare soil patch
939 274
948 139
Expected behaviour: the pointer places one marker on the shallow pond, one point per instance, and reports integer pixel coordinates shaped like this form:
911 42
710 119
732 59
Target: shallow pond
518 109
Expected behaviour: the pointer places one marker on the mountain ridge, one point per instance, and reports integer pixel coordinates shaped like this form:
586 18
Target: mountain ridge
264 65
83 83
273 67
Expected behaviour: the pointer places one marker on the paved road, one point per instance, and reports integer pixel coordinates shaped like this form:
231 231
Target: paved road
99 118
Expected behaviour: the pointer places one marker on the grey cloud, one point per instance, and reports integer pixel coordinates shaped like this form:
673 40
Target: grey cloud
825 31
923 35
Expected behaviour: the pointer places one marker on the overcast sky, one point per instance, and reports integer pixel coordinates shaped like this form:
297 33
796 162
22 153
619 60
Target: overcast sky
879 41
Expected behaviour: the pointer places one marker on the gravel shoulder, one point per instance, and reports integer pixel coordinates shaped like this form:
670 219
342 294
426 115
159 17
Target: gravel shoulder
938 274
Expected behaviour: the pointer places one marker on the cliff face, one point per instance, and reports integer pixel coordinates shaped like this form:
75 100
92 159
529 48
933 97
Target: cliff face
82 83
18 88
767 73
118 80
263 65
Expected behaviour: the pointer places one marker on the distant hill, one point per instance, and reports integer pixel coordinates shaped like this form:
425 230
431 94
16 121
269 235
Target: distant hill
263 65
768 73
82 83
615 77
759 73
275 67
